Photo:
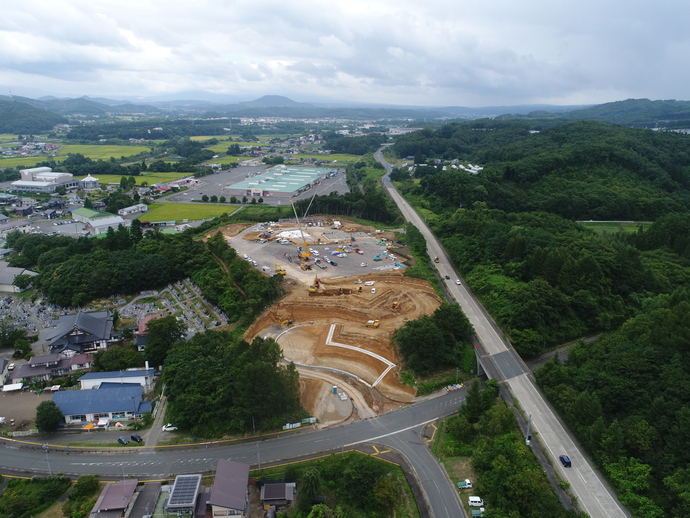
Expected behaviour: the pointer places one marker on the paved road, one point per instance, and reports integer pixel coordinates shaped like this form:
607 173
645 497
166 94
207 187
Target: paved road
401 430
501 360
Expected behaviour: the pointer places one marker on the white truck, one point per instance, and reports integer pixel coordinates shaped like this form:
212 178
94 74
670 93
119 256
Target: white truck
465 484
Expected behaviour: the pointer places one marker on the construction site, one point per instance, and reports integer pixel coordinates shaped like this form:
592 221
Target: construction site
336 321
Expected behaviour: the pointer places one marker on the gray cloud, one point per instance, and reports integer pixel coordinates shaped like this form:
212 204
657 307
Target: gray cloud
434 52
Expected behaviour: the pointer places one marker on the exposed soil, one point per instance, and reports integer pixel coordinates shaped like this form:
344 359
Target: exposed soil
344 317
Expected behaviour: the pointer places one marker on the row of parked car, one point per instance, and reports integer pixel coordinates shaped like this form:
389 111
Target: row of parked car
135 437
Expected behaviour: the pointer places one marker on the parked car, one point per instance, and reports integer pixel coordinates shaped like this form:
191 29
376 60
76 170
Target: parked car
123 440
136 437
169 428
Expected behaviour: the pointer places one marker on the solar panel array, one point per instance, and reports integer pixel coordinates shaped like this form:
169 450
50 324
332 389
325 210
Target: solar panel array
184 490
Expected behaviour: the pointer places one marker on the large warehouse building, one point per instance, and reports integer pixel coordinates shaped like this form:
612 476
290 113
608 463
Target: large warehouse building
280 181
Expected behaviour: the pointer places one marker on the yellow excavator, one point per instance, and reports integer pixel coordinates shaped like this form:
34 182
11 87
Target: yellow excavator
280 270
315 285
395 305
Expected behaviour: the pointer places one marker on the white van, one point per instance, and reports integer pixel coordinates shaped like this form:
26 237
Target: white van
475 501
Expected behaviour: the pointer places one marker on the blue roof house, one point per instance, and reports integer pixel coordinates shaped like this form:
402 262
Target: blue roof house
118 403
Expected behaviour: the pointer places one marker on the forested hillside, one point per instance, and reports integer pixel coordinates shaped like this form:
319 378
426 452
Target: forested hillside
581 170
18 117
74 272
546 279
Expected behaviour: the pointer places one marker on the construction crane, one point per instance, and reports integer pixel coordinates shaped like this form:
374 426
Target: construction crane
304 254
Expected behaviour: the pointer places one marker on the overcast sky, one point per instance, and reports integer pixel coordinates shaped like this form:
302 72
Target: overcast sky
413 52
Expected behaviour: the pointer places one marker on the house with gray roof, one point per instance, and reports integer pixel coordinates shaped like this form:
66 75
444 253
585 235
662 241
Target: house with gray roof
142 377
8 274
116 498
229 495
117 403
41 368
76 334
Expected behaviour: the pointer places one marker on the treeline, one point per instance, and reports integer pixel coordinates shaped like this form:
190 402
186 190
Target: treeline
19 117
438 341
354 145
243 386
371 205
146 129
627 397
568 169
508 477
546 279
73 272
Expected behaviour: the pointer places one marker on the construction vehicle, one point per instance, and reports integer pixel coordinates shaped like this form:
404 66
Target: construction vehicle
286 323
359 290
315 285
305 266
377 258
372 323
395 305
304 254
280 270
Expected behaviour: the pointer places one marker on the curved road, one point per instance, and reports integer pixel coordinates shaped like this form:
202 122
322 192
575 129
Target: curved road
400 430
502 362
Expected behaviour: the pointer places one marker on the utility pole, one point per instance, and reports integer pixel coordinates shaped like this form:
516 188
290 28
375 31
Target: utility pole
45 448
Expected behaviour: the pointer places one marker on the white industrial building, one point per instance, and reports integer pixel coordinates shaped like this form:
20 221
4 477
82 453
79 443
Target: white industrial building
45 180
140 207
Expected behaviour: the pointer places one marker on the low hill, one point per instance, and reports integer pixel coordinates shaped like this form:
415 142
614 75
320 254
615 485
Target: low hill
19 117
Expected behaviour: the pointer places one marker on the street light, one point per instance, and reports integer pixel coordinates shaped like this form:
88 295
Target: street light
50 471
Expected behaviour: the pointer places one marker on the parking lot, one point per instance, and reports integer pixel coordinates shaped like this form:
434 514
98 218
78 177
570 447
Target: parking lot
354 253
217 185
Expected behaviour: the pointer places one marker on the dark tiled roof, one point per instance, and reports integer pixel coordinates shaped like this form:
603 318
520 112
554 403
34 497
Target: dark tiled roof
230 486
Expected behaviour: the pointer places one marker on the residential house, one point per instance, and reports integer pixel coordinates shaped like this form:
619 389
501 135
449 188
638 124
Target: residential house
76 334
41 368
141 337
184 494
279 495
80 362
143 377
109 402
229 495
116 498
7 276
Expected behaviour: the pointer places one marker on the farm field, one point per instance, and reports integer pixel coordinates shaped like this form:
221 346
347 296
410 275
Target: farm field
96 152
329 158
179 211
151 178
614 226
28 161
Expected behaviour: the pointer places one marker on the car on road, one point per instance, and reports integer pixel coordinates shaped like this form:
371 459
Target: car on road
136 437
169 427
457 281
448 277
123 440
565 460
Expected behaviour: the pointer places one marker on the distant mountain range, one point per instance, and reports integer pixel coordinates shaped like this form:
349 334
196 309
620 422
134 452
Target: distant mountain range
632 112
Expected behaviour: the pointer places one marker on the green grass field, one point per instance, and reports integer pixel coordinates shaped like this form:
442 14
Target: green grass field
96 152
149 178
330 158
179 211
615 226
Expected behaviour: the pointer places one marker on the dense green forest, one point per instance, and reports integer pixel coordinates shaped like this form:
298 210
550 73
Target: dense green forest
508 476
243 386
74 272
18 117
581 170
437 341
546 279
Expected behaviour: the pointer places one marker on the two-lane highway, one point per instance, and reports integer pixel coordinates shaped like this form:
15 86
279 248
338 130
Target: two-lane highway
593 494
400 429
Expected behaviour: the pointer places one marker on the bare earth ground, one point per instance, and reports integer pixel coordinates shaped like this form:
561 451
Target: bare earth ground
20 406
304 342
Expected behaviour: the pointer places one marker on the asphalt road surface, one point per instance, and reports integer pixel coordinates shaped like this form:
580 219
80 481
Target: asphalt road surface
400 429
593 494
